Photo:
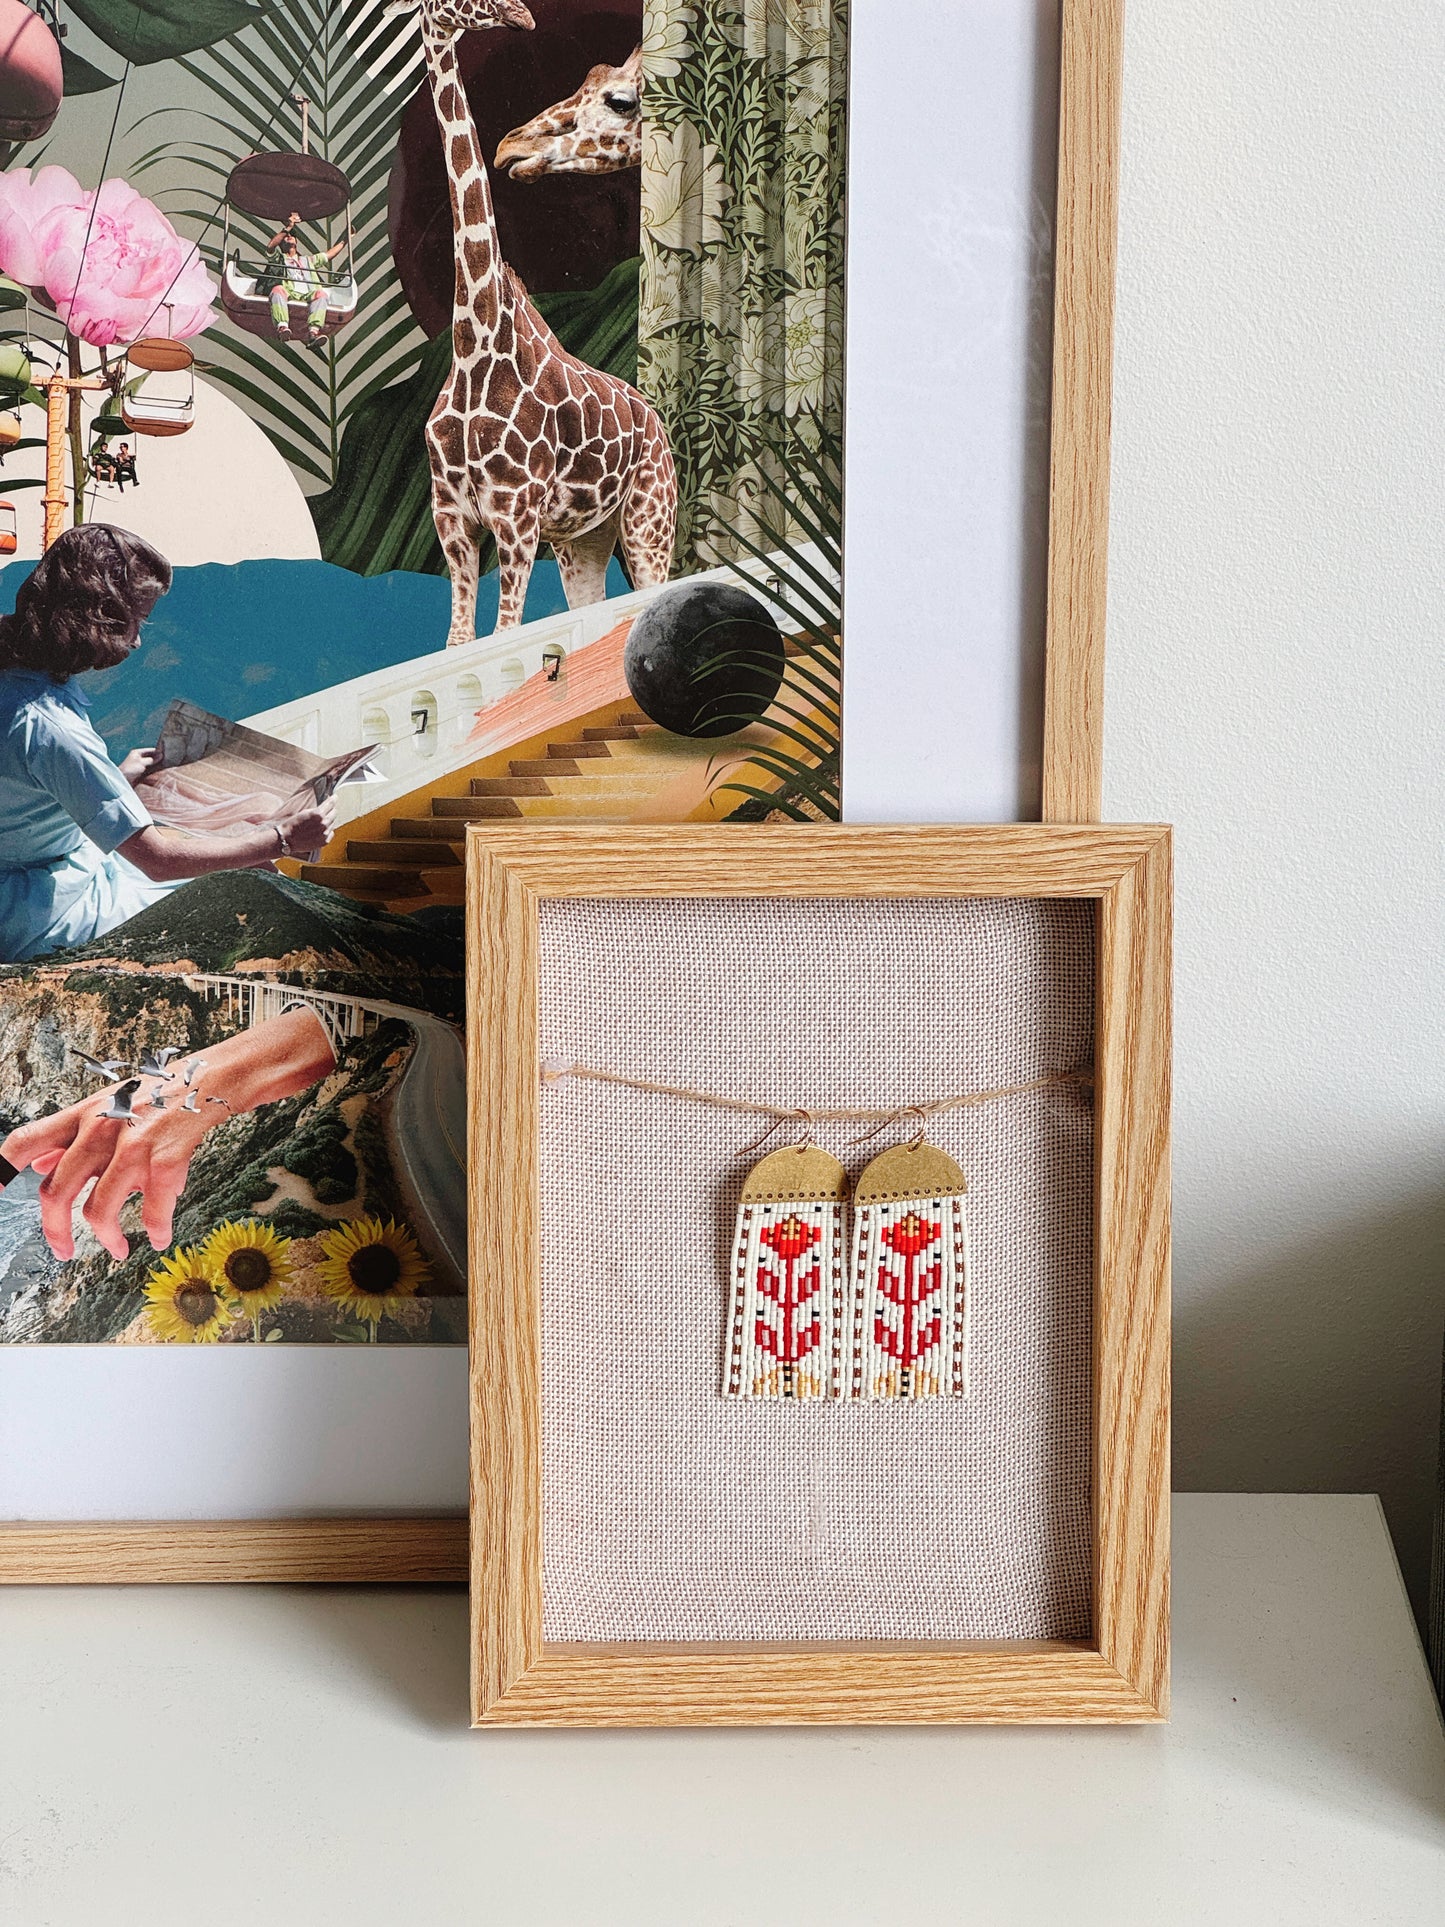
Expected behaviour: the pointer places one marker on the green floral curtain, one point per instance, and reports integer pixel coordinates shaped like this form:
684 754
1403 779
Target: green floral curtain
740 335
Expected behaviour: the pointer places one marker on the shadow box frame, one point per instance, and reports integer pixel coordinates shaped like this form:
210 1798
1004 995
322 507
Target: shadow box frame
432 1548
1120 1672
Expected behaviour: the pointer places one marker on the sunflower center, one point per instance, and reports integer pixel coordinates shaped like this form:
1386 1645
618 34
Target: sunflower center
248 1270
374 1268
196 1302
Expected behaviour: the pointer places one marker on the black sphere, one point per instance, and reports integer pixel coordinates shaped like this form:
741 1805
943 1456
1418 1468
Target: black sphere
704 659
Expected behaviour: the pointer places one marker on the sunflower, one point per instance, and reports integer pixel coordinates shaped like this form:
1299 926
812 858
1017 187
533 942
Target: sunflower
184 1303
370 1263
250 1263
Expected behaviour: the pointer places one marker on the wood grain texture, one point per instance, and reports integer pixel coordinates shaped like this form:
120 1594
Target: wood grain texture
505 1310
825 860
1085 232
378 1551
864 1684
1131 1275
1122 1674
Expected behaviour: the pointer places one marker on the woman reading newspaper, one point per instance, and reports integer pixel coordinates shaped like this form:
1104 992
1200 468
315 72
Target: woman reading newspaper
79 850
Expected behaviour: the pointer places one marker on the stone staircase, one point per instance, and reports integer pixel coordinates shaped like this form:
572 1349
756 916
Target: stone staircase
607 769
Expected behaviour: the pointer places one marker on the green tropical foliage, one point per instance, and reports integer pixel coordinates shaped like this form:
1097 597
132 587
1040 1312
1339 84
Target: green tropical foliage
378 516
302 399
802 550
80 76
143 31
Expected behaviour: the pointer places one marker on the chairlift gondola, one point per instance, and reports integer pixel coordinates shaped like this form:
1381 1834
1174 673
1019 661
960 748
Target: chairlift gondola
32 85
167 407
12 430
272 187
102 462
17 371
9 533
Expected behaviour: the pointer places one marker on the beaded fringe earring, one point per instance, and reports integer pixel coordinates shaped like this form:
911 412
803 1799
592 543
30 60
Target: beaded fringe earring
905 1334
786 1285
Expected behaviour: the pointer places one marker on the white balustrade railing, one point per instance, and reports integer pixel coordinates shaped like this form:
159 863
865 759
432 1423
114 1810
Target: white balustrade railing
421 714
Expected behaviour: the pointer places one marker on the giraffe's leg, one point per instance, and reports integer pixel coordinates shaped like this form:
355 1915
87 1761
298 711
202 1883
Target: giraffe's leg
458 534
518 535
582 563
452 512
649 516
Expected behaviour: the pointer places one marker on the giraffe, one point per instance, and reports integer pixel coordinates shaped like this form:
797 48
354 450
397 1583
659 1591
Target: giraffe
524 439
597 130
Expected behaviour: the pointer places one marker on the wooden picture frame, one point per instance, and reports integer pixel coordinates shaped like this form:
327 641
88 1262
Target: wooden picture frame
1121 1672
1085 250
381 1549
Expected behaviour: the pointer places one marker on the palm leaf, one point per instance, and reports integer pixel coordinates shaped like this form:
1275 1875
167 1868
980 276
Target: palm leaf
808 781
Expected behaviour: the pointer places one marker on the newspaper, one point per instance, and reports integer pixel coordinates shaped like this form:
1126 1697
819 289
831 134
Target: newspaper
214 775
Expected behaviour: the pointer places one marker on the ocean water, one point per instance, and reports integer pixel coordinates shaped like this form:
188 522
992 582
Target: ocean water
237 638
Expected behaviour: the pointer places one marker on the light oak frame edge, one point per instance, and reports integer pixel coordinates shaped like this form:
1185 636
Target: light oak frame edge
1121 1674
412 1549
1085 249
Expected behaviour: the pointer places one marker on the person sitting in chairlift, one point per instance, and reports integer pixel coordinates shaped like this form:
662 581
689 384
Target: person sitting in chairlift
123 467
297 276
102 464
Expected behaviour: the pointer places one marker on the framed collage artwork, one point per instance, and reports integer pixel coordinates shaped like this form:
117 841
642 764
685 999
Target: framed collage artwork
471 416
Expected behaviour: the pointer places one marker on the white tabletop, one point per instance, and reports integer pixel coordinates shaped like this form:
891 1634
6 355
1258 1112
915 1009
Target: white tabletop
297 1758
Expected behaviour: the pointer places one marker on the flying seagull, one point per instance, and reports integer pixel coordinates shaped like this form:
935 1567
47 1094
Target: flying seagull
193 1102
153 1064
120 1101
193 1071
158 1099
109 1068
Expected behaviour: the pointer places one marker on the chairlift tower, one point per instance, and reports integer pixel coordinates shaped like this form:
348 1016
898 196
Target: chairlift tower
59 388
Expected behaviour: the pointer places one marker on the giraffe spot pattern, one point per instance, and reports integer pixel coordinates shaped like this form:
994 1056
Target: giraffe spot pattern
477 257
504 388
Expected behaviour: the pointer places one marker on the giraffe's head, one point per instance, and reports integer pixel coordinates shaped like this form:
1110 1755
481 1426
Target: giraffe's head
597 130
451 18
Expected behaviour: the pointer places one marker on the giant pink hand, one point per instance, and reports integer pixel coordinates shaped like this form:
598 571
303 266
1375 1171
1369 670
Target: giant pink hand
153 1155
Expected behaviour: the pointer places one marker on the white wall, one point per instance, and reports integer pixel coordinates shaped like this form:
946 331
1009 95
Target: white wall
1275 687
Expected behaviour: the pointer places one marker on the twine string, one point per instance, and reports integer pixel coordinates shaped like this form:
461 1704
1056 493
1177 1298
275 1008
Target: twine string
878 1116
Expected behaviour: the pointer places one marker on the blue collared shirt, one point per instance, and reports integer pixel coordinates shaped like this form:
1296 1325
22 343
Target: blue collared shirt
65 809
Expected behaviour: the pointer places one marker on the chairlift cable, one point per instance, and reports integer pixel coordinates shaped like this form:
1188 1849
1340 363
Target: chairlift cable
105 163
221 197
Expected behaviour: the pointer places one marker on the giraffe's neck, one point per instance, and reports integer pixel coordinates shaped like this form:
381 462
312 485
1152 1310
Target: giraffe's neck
477 298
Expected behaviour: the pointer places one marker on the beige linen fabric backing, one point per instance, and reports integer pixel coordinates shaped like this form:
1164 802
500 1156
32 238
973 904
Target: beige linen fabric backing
671 1513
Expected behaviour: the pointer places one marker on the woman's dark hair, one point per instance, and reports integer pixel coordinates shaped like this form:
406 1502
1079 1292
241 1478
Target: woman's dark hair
83 604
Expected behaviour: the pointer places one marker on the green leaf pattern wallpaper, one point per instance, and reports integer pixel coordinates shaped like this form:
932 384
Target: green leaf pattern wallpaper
741 320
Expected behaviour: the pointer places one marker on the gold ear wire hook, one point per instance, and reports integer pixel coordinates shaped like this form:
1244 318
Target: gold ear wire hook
782 1118
921 1111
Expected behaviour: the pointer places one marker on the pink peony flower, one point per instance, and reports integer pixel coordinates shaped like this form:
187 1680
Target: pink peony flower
24 204
138 274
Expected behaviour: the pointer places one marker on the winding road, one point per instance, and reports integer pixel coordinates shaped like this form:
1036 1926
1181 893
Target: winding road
429 1118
